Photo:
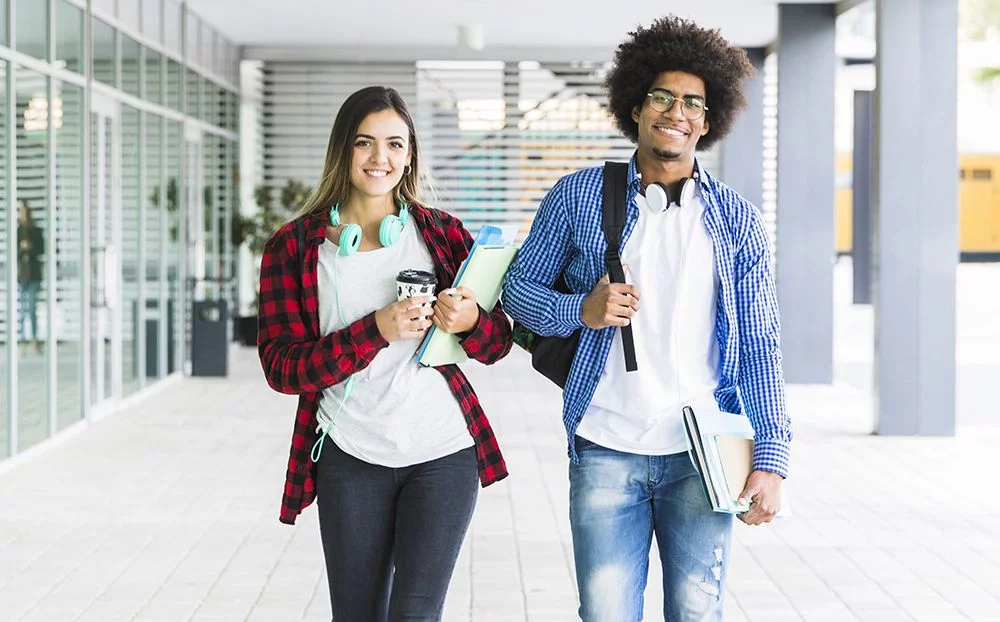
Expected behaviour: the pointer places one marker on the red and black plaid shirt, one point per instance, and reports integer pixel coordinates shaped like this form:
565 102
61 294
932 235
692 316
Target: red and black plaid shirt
296 362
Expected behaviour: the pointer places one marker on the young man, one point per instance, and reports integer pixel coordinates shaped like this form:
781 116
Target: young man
700 298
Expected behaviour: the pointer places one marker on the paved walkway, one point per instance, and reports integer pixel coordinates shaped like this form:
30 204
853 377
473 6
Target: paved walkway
169 511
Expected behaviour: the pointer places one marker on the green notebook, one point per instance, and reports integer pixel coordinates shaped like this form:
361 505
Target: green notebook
483 273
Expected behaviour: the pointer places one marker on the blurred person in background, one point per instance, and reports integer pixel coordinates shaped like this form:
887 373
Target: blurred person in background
30 249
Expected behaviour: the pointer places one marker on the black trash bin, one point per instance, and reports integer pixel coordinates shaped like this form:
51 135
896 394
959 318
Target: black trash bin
209 338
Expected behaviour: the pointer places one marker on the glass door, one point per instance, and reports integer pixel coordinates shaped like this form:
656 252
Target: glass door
194 157
105 251
194 238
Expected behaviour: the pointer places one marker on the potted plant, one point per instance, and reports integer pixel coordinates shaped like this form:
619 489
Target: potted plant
256 230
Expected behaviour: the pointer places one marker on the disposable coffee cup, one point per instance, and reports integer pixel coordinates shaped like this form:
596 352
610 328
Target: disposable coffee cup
415 283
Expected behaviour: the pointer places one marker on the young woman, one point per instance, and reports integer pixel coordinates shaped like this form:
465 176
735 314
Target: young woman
393 451
30 249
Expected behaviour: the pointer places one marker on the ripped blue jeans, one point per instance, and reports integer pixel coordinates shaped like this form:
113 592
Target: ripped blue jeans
617 502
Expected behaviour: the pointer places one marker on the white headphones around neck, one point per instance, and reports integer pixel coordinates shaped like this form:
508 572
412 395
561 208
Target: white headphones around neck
660 199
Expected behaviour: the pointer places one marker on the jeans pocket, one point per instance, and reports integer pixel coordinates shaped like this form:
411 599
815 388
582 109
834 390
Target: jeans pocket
583 444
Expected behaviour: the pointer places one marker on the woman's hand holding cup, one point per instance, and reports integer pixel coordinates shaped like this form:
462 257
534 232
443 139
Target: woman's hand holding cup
408 317
405 319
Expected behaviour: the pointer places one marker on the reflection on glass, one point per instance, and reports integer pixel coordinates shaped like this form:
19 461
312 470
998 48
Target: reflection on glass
218 114
173 166
174 85
154 73
131 234
210 204
33 239
104 52
155 247
68 332
226 107
209 95
104 249
236 112
69 36
33 29
193 104
232 112
222 107
230 190
3 40
130 66
6 275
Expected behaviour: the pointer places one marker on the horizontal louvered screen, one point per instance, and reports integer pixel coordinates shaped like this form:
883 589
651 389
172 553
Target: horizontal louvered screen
496 135
300 103
503 133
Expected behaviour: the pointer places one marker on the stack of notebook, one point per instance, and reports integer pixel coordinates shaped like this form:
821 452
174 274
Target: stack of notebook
722 450
482 272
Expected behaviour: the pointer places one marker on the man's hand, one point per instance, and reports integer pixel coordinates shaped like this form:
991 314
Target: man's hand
456 310
610 304
406 319
763 490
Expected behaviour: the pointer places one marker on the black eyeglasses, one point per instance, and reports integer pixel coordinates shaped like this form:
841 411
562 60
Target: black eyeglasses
693 108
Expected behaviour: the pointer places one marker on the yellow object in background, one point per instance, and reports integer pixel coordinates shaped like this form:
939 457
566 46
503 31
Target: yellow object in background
978 206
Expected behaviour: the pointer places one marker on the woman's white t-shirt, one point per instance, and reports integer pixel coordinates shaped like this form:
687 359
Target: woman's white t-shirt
398 413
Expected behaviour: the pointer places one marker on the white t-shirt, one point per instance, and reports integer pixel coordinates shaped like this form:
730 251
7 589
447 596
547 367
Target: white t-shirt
398 413
670 259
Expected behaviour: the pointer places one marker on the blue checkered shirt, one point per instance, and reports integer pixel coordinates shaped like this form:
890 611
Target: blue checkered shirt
567 233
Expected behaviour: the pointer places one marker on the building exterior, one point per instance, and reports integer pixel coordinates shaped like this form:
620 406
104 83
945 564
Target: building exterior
137 138
118 130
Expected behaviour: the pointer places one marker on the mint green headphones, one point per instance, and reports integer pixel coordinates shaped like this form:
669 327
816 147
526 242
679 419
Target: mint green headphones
389 229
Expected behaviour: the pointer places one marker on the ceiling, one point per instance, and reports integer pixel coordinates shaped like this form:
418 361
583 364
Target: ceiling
383 25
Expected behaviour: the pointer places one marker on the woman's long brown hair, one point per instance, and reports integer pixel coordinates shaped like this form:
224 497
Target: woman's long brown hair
335 185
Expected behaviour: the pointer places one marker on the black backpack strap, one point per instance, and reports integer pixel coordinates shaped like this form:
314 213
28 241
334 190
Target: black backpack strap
613 222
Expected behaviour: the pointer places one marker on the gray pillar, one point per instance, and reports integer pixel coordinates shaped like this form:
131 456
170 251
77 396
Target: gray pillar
861 199
805 240
742 151
915 216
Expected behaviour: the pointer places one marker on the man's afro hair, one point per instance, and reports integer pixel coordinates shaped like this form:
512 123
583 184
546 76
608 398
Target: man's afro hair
675 44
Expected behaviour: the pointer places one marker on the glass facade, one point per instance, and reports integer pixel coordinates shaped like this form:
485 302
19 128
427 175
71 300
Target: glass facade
102 240
131 247
33 241
69 36
7 300
103 52
69 253
33 28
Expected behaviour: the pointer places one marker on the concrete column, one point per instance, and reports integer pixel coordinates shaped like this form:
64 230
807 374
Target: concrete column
805 235
915 217
861 200
742 152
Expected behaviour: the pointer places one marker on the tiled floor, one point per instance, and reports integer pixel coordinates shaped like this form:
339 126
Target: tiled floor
169 511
